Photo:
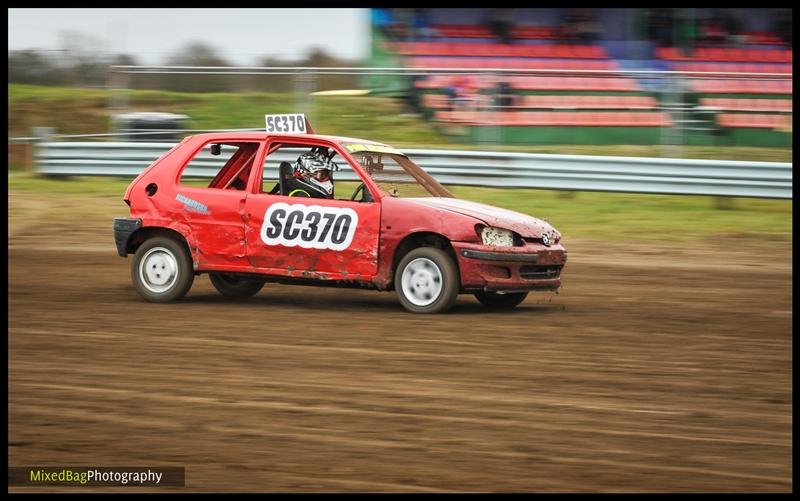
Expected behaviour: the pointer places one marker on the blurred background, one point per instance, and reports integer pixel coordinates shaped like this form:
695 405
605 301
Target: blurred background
476 77
658 141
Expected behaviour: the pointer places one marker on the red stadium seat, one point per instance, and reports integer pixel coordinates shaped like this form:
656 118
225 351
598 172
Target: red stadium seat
774 105
715 54
565 102
759 121
726 55
558 119
491 49
754 55
742 86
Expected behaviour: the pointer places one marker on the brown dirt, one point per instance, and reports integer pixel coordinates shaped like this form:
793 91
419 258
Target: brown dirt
655 369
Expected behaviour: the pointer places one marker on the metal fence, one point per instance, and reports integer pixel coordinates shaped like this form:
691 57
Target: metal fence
684 117
477 168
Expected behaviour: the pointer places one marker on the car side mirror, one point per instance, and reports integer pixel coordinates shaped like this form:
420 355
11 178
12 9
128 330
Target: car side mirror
216 149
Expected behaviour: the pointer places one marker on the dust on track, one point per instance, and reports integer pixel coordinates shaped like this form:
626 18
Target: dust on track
654 369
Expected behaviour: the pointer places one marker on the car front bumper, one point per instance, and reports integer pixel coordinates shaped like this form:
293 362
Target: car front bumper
123 229
510 269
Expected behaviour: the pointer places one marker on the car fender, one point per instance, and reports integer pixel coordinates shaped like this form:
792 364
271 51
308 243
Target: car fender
403 218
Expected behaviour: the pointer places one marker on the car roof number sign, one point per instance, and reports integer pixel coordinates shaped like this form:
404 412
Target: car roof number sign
294 123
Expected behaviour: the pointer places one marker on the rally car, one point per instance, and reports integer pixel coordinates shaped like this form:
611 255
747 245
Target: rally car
290 206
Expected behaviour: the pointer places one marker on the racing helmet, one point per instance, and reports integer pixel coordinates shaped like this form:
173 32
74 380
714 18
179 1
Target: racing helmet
315 168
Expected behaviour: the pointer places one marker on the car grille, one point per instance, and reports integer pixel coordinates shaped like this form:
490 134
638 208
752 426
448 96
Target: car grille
540 272
532 240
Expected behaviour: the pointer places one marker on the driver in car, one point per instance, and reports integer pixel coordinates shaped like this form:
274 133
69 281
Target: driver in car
313 175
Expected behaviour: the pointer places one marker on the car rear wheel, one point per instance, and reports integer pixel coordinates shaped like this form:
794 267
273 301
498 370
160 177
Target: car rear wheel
496 300
162 270
231 285
427 281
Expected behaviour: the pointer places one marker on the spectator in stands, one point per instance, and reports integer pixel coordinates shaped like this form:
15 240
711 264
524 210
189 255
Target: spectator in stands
500 23
464 92
581 27
661 26
421 24
733 27
712 32
588 29
503 95
382 19
414 95
685 33
404 23
451 91
782 24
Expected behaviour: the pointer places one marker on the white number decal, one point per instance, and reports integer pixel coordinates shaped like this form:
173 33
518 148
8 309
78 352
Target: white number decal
286 123
310 227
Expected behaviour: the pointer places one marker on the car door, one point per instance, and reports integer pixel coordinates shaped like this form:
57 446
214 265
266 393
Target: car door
214 211
311 237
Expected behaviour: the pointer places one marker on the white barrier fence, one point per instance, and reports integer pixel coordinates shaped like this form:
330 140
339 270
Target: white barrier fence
477 168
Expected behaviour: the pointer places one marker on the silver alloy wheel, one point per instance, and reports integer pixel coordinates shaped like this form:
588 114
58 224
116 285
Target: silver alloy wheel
158 270
422 282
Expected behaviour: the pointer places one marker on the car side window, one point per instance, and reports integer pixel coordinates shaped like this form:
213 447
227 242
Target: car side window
281 162
227 164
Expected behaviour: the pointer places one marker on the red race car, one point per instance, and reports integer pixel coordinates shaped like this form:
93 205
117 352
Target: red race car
273 213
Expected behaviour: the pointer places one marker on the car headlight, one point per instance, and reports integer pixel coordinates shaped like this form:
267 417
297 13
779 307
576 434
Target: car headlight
497 237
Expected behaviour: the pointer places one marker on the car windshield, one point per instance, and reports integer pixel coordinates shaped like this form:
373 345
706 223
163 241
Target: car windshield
394 173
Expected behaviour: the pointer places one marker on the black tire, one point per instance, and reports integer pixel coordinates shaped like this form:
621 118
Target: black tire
501 301
162 270
234 286
438 281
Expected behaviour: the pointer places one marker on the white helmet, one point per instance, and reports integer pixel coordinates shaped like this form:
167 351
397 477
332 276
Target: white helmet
315 168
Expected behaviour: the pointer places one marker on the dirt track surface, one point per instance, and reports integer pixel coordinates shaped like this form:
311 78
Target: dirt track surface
653 370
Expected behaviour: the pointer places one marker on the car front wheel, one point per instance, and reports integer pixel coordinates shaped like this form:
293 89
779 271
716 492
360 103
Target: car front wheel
499 301
230 285
162 270
427 281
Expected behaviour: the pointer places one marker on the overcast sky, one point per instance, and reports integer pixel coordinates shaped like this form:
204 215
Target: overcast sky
242 36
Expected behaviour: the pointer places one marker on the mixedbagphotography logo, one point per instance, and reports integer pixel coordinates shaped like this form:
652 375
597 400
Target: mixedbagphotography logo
94 476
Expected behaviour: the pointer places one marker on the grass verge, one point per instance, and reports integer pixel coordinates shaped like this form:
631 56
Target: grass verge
592 215
86 111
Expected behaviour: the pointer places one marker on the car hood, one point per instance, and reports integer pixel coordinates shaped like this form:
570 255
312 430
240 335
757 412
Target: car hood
527 226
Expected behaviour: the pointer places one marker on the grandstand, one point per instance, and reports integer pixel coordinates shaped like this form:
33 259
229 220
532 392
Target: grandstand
559 76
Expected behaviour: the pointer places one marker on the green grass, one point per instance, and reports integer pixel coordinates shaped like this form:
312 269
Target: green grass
84 111
613 216
590 215
106 186
744 153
